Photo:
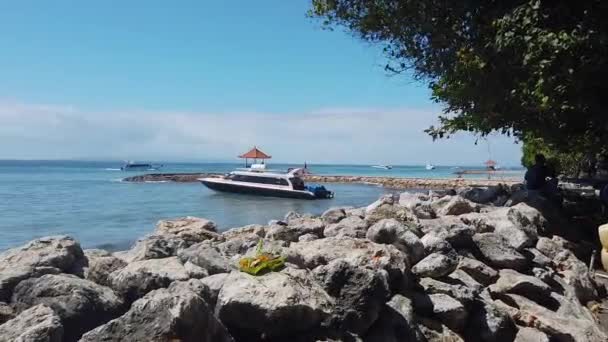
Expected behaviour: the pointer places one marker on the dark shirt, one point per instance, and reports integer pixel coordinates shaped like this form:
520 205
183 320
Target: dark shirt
604 194
536 176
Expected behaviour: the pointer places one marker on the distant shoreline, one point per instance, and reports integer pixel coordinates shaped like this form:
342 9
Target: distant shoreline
388 182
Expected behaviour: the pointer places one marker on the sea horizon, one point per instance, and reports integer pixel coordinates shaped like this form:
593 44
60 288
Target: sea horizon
6 161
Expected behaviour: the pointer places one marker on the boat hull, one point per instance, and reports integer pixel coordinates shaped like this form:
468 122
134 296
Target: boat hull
259 191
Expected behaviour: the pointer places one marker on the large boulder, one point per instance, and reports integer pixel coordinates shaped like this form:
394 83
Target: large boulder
462 293
537 258
100 268
333 215
255 229
36 324
554 246
308 237
178 313
214 284
412 199
487 323
418 204
396 323
153 247
433 331
358 252
296 227
387 199
453 205
461 277
276 305
497 251
444 222
81 304
237 245
385 231
6 312
307 225
519 225
481 272
391 231
10 277
531 335
436 265
206 257
556 325
458 235
351 226
511 281
359 293
190 229
576 274
424 211
447 309
527 218
60 252
433 243
282 233
481 195
574 271
141 277
170 237
386 211
47 255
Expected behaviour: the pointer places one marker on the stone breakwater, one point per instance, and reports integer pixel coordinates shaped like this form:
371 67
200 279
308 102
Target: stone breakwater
389 182
476 265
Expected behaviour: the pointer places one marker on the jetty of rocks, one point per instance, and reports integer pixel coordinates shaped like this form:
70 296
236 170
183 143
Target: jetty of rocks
389 182
473 264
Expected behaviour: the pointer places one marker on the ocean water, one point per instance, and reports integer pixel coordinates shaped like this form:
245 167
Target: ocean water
88 200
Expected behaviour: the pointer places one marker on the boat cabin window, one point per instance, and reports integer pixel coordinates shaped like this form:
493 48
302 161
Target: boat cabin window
297 183
259 180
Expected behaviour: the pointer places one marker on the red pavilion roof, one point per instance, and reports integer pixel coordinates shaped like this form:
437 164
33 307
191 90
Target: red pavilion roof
254 153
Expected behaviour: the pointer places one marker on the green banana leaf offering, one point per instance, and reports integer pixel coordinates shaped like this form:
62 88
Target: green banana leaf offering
262 262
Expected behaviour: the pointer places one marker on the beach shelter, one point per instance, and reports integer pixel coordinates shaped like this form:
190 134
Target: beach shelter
254 154
490 164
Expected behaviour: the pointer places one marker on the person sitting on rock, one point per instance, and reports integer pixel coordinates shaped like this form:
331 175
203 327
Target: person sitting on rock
541 177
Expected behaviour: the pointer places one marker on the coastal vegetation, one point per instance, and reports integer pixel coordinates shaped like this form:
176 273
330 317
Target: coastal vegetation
532 69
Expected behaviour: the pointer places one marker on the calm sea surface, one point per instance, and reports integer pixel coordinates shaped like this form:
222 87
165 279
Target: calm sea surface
87 200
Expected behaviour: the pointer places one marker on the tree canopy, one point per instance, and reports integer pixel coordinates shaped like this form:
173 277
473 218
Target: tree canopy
535 69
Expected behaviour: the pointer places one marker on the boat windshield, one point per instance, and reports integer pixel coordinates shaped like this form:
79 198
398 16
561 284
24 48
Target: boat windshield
297 183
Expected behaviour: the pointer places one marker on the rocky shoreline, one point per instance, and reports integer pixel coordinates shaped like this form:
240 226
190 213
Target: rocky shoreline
389 182
473 264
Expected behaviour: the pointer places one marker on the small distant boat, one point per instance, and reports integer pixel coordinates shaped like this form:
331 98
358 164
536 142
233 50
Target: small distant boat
384 167
257 180
132 166
430 166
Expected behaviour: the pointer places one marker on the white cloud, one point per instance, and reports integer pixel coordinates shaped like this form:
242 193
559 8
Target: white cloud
333 135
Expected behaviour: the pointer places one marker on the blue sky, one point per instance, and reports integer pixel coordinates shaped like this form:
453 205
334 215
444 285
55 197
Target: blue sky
151 74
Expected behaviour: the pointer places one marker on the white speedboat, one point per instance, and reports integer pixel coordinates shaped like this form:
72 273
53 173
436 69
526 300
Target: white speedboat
384 167
259 181
430 166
